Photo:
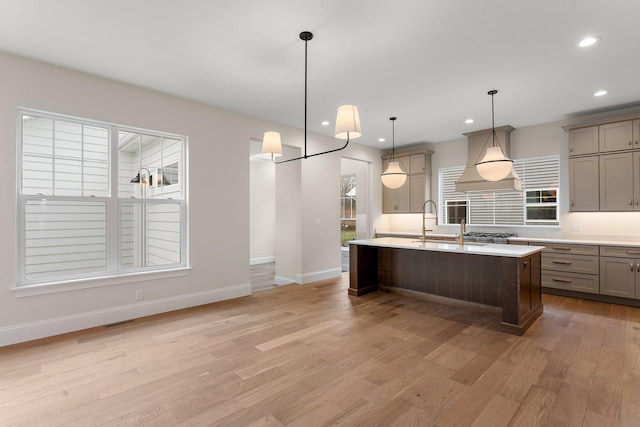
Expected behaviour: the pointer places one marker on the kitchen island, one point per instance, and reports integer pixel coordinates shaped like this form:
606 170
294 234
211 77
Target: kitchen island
503 277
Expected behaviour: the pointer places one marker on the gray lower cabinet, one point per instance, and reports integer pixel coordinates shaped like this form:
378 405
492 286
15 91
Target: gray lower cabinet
620 271
592 269
570 267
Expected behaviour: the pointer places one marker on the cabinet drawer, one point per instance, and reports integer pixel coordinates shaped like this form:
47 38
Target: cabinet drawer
587 264
561 248
571 281
620 251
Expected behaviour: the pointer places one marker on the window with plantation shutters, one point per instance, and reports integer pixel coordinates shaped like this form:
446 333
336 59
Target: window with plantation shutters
81 215
536 204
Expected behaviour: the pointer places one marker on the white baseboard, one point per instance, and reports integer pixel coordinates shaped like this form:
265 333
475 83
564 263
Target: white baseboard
280 280
45 328
319 275
262 260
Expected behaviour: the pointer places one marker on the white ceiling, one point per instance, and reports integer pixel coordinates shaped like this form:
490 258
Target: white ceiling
428 62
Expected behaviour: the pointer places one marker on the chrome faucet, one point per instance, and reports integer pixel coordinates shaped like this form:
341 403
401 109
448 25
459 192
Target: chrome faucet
463 229
424 212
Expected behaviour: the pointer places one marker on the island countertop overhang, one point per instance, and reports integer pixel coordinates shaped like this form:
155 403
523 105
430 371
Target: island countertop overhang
488 249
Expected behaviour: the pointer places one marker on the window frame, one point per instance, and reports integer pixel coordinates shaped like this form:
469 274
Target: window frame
555 204
114 272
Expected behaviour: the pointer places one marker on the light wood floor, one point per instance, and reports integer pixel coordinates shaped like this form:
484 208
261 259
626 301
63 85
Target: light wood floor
310 355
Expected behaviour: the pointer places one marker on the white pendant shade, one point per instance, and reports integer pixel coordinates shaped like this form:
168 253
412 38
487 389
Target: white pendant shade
348 122
394 177
271 145
494 166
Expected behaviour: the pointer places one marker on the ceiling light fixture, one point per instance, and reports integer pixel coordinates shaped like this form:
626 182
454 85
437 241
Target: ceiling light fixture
468 121
494 165
394 177
325 123
347 122
381 140
600 93
588 41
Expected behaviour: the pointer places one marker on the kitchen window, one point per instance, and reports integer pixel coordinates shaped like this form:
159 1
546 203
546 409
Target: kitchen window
536 204
81 216
541 206
456 211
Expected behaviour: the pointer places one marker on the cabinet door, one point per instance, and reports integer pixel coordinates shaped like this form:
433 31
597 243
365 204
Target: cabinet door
403 195
417 163
616 182
617 277
583 141
636 181
389 200
405 163
583 184
616 136
417 192
636 133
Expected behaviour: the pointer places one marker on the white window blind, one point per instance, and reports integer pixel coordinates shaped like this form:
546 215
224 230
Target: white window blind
501 207
75 222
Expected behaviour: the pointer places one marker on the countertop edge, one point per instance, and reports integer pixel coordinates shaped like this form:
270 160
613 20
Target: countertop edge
485 249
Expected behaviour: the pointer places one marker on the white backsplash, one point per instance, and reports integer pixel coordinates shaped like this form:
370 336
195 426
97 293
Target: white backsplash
592 225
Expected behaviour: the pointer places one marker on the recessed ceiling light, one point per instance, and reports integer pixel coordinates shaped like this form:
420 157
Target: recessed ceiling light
600 93
588 41
325 123
381 139
468 121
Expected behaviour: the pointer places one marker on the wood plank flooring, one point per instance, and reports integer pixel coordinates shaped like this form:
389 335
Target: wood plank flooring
308 355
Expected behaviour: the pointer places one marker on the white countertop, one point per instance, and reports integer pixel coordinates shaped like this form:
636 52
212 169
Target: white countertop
472 248
568 241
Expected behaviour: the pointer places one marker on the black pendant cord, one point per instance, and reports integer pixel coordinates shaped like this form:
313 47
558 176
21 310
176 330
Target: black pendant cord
393 137
305 95
306 36
493 135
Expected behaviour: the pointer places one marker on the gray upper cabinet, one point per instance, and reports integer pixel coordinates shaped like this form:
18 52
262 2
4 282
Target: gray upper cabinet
604 166
411 196
583 141
616 182
636 181
616 136
584 195
418 164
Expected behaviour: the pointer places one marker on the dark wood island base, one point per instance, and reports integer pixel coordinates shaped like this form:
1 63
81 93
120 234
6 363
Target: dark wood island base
512 284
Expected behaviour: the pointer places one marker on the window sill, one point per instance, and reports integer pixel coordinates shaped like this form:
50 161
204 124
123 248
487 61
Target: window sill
73 285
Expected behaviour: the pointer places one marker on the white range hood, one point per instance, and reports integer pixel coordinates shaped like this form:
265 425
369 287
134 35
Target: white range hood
477 142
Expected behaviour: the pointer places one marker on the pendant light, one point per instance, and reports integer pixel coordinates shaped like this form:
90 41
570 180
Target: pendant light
347 122
494 166
394 177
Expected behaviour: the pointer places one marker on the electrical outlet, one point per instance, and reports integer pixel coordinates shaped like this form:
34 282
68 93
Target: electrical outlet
575 227
139 294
